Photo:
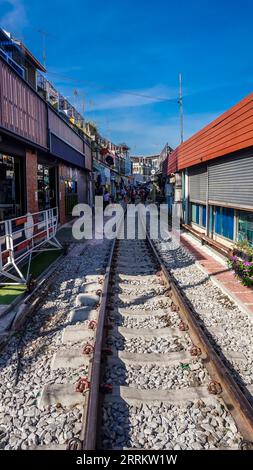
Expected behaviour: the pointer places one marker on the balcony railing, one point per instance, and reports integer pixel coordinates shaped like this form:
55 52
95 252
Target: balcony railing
12 63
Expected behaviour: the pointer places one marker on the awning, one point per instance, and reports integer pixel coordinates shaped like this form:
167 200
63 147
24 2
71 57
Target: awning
103 171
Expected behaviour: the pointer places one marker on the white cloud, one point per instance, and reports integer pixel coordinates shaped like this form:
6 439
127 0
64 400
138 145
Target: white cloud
126 118
146 136
16 18
132 99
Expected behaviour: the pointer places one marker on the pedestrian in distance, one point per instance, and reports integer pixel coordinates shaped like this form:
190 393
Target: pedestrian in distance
106 198
123 194
143 194
133 196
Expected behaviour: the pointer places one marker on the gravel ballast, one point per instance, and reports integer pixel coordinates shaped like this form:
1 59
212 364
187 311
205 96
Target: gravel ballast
230 328
152 376
172 427
22 423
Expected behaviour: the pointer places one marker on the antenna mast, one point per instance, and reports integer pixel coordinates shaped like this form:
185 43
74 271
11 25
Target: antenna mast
180 101
44 34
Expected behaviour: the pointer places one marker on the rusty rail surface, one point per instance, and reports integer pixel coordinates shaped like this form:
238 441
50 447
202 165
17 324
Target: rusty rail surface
227 388
89 431
90 436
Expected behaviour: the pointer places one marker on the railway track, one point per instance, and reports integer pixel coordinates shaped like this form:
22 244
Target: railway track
163 384
34 359
134 368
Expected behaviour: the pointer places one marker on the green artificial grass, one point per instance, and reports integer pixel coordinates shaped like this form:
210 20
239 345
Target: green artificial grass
39 264
42 261
9 293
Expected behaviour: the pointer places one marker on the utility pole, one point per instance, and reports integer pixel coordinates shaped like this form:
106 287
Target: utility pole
180 101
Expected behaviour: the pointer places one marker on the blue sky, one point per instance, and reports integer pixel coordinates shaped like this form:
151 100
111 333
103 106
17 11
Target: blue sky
102 47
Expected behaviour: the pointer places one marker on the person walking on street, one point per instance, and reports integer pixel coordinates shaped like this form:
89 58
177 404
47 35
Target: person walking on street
106 198
123 194
133 196
142 194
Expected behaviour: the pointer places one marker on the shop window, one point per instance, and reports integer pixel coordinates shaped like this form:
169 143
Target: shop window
245 226
10 187
46 187
224 222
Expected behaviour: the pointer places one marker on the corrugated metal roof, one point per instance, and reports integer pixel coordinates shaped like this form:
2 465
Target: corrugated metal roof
231 131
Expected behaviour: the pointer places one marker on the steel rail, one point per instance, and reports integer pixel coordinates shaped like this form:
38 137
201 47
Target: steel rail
90 433
91 412
232 395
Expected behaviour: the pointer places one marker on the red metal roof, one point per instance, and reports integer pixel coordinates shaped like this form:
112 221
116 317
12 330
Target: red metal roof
173 161
231 131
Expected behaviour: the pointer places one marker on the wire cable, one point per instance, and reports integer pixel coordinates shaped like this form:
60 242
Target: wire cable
103 87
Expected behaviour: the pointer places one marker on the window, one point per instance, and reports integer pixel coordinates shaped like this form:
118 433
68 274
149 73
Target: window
245 226
224 222
228 223
195 213
198 214
218 220
46 186
10 187
204 216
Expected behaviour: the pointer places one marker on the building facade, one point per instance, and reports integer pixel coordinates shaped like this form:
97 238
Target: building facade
45 158
112 168
144 167
212 174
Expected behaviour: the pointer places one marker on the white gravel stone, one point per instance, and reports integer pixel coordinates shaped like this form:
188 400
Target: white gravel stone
153 322
150 376
21 422
148 426
229 327
151 345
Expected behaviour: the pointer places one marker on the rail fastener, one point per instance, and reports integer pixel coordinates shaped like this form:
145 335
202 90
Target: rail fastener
82 385
195 351
183 326
92 325
214 388
88 349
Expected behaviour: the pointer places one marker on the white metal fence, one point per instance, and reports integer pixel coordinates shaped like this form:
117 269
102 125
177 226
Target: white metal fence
23 236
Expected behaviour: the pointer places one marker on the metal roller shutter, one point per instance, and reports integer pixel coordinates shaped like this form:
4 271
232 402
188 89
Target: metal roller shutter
198 183
230 181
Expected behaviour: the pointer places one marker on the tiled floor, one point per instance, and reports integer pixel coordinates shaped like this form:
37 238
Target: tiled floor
218 271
